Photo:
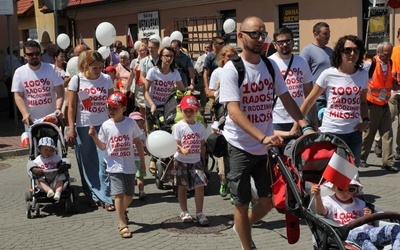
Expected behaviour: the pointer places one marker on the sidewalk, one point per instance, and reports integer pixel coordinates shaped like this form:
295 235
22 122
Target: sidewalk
10 136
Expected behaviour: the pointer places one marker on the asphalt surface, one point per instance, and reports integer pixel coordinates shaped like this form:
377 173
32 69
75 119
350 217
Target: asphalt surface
154 222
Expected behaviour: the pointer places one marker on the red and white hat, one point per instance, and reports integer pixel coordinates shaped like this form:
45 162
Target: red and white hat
117 99
189 102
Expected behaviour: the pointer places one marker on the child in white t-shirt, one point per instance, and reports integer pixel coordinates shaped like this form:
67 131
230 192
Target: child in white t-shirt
47 160
343 207
189 162
137 116
117 135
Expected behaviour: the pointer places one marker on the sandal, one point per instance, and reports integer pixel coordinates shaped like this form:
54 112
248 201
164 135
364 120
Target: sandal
109 207
152 168
202 219
125 232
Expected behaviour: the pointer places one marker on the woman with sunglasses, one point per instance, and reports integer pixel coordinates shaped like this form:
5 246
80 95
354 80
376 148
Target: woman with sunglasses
345 85
87 95
343 207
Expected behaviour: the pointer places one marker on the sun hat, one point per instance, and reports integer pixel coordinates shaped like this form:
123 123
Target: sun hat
136 116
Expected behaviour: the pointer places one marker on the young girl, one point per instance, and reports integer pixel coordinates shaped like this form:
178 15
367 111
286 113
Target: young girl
48 159
139 174
190 159
116 136
343 207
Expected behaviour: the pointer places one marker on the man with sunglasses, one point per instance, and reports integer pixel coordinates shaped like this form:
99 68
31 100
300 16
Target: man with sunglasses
297 76
379 91
318 55
210 63
37 86
248 128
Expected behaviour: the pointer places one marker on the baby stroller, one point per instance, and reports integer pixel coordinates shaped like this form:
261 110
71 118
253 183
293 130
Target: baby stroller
36 196
302 162
171 115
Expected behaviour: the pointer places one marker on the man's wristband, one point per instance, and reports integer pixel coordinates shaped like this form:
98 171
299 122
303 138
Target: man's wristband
262 140
305 128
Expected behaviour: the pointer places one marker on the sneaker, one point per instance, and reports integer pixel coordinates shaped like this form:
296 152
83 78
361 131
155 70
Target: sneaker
185 217
50 193
202 219
253 246
391 168
223 190
363 165
378 151
57 196
142 195
232 200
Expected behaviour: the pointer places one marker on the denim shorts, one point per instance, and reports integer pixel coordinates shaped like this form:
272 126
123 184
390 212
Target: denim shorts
244 165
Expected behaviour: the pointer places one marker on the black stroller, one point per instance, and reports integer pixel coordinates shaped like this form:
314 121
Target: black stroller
36 196
304 161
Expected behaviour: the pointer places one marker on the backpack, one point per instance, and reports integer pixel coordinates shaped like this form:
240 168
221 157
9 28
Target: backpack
219 109
217 144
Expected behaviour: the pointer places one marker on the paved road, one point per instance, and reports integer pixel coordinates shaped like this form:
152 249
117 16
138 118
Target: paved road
154 223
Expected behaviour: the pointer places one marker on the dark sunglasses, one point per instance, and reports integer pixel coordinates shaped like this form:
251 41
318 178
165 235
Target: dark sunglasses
348 50
350 190
221 43
256 34
282 42
33 54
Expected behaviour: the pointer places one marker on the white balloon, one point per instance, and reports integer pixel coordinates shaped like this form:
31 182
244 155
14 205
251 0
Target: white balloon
161 144
63 41
106 33
104 51
229 25
72 66
136 45
176 35
166 41
155 37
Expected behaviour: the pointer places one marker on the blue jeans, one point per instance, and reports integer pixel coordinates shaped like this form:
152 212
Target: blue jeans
354 141
92 167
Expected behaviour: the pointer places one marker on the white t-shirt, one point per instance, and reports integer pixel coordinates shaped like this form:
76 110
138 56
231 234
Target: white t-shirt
161 85
215 79
343 93
97 89
190 136
118 137
47 163
38 88
343 213
299 74
255 97
143 138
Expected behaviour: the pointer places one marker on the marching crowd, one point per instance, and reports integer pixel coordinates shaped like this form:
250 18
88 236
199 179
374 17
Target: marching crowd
110 105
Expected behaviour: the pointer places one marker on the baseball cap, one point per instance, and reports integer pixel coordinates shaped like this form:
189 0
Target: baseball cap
189 102
47 141
117 99
110 69
136 116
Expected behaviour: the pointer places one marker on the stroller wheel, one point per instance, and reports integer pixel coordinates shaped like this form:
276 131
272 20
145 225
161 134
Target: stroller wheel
158 175
37 209
28 210
68 206
28 196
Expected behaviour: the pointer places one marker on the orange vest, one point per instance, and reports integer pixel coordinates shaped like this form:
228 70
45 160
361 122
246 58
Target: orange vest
380 86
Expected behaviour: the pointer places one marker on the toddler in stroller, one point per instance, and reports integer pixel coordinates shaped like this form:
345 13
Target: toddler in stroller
48 169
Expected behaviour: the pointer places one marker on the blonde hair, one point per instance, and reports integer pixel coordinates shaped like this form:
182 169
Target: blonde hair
82 60
221 55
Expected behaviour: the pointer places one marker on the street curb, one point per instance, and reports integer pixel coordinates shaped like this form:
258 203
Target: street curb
13 153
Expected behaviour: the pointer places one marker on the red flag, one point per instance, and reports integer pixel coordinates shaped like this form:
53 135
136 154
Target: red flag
339 171
129 38
85 99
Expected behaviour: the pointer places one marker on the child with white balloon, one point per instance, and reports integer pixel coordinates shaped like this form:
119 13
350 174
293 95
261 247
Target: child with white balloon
189 161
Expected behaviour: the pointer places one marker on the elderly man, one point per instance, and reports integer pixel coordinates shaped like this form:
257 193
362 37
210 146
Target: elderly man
379 91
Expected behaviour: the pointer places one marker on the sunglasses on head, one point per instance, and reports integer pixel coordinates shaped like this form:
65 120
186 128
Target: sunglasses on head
256 34
350 190
33 54
348 50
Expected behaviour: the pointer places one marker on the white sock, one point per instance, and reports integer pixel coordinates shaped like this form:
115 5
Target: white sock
50 193
57 196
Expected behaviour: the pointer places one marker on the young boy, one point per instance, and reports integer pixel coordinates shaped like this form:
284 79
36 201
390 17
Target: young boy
137 116
190 159
48 159
343 207
116 135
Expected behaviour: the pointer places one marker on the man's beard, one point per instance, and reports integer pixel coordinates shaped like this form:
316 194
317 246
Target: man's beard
34 62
